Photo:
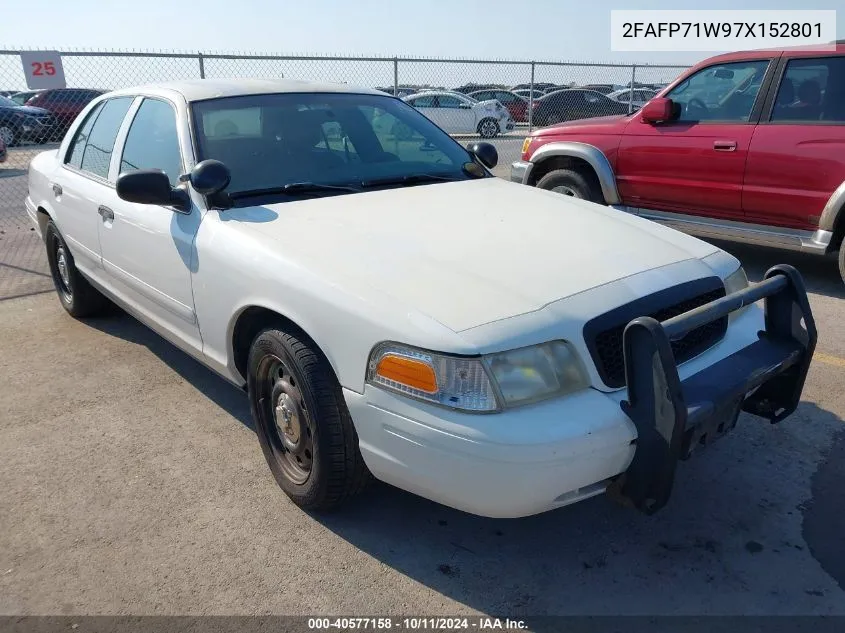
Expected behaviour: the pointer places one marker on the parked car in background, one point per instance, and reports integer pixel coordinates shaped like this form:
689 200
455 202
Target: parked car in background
457 113
392 310
7 93
641 96
64 103
22 97
541 86
574 103
516 105
468 88
24 123
526 93
761 160
602 88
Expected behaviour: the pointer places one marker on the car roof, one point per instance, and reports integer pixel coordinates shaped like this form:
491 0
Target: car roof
202 89
763 53
450 93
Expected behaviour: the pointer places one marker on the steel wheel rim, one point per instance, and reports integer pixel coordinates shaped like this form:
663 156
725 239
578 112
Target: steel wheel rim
7 135
566 191
286 420
63 270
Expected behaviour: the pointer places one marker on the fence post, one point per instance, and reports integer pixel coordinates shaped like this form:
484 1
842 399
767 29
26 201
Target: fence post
631 91
202 65
531 102
395 76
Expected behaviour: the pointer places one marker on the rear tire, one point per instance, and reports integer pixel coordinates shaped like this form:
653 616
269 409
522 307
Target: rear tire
842 260
9 135
77 296
302 423
576 184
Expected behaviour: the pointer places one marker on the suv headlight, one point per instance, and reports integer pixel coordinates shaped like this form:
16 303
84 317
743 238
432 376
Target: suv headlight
478 383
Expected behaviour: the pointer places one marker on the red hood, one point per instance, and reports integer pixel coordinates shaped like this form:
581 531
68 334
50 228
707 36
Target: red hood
613 124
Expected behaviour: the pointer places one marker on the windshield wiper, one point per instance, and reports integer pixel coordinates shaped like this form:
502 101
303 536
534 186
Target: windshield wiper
410 179
291 189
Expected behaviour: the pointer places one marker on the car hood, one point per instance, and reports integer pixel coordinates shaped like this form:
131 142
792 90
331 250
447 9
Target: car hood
32 111
611 124
464 253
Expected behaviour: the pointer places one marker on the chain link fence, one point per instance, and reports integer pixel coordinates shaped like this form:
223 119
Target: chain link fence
500 101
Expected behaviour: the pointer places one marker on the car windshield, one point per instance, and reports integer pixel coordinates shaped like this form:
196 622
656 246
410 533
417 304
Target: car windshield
353 141
7 103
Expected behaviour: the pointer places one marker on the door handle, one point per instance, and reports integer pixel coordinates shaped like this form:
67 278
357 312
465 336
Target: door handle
57 189
724 146
105 213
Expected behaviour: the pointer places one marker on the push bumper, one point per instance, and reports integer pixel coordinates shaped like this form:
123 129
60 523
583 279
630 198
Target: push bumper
520 171
673 416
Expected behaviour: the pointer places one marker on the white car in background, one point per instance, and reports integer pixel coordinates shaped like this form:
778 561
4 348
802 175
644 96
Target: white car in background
457 113
641 96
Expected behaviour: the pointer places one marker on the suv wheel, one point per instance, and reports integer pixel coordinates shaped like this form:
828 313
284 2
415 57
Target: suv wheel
570 182
842 261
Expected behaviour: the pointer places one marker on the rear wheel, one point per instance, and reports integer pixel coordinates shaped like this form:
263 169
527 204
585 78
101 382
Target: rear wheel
574 183
488 128
78 297
302 423
842 261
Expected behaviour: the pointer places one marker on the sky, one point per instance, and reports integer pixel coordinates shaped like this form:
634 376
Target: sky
572 30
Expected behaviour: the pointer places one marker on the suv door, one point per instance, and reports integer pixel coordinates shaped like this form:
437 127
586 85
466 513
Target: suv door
82 183
147 249
694 164
797 155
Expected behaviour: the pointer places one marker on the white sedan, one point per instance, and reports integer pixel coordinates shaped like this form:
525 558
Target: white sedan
457 113
637 98
393 310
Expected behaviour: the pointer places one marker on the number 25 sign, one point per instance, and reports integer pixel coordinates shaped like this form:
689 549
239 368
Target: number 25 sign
43 69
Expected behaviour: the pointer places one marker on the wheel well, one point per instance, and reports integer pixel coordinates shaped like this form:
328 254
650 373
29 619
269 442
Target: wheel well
252 321
43 218
838 230
563 162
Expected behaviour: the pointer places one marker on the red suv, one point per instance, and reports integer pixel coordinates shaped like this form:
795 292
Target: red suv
746 146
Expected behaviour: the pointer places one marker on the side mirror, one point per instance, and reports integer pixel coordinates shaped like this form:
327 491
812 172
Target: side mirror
151 186
209 177
657 110
485 152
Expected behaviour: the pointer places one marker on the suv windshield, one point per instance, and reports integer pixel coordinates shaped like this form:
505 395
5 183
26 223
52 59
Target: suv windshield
349 141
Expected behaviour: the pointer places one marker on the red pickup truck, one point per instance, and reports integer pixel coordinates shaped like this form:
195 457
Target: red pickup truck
746 146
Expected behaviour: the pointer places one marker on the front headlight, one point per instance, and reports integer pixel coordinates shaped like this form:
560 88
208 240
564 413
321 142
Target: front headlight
735 282
478 383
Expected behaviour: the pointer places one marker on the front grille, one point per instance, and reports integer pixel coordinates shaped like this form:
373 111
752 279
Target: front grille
604 334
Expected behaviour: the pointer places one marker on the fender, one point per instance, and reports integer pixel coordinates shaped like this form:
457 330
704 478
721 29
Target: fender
832 209
589 153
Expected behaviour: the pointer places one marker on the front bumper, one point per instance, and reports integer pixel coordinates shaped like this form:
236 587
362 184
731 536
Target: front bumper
539 457
520 170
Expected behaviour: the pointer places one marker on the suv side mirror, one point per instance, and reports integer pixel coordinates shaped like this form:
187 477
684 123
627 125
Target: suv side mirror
657 110
486 153
151 186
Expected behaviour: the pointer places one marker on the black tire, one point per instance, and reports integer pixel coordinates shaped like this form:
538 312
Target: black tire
842 260
488 128
313 449
9 134
77 296
573 183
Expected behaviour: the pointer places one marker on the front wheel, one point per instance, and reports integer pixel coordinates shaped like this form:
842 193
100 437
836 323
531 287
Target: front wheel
488 128
842 260
302 423
575 184
8 135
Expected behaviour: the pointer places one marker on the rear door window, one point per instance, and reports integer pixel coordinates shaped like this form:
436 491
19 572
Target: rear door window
812 90
96 157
